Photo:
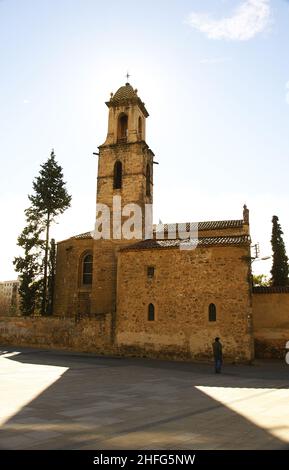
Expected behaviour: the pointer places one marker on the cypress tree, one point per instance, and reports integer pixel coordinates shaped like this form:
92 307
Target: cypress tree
279 269
30 266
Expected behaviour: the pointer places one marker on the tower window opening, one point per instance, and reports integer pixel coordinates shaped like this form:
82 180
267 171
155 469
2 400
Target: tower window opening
117 175
122 130
140 128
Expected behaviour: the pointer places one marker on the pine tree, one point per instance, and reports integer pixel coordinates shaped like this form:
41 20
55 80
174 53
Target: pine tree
279 269
37 266
50 199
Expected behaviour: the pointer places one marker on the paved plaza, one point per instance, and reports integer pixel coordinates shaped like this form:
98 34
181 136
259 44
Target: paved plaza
61 400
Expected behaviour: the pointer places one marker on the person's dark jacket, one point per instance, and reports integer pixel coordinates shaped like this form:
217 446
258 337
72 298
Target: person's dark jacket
217 350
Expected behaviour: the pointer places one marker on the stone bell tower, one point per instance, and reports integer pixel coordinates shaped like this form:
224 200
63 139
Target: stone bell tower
125 173
125 166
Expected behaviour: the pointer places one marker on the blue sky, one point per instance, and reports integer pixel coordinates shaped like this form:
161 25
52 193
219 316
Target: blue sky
214 76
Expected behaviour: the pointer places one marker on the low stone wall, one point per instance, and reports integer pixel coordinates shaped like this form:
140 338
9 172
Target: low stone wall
271 344
271 321
270 318
78 334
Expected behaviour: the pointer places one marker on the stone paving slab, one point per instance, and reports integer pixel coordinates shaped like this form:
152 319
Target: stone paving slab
59 400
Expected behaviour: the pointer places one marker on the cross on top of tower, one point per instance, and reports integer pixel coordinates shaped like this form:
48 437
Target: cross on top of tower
127 76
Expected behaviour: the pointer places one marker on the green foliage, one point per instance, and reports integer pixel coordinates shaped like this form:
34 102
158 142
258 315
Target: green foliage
30 266
37 265
279 269
50 199
50 196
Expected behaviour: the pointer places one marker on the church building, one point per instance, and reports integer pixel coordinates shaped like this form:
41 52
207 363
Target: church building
161 299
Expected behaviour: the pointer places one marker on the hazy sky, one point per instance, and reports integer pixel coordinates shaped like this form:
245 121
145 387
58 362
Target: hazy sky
214 75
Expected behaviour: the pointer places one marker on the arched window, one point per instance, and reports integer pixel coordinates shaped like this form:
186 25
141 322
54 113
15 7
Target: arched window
87 270
117 175
151 312
122 128
148 180
140 128
212 312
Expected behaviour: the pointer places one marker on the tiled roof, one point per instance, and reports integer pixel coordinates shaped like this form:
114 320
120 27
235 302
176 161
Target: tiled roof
271 290
201 242
83 236
209 225
124 93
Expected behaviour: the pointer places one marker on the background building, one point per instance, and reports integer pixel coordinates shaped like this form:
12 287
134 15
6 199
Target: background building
9 297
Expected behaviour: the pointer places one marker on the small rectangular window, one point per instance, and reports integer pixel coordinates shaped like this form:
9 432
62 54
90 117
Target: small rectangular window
212 312
151 271
151 312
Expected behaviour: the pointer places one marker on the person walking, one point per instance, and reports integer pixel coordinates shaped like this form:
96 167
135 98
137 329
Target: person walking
218 355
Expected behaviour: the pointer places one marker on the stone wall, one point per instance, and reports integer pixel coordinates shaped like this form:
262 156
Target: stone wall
78 334
68 286
271 321
71 296
184 285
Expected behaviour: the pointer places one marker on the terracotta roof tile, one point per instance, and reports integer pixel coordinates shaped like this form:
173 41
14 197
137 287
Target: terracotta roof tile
124 93
201 242
83 236
209 225
271 290
202 226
